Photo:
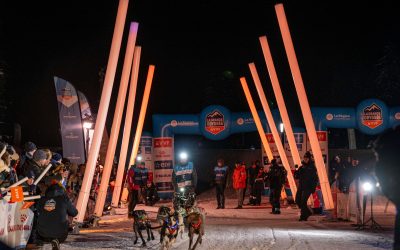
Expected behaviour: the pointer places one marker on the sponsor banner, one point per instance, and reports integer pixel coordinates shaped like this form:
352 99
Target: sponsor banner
15 224
163 156
146 151
70 121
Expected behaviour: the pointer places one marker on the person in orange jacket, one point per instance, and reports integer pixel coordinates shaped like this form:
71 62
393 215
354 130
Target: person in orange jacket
239 182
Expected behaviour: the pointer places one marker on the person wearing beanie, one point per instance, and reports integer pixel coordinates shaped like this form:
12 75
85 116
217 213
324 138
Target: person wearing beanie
53 211
56 158
30 148
26 158
35 166
308 180
150 194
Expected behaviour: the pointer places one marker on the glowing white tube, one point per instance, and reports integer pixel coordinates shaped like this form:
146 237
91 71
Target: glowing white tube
42 174
32 198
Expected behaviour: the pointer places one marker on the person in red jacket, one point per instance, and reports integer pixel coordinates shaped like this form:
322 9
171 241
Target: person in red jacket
134 183
239 182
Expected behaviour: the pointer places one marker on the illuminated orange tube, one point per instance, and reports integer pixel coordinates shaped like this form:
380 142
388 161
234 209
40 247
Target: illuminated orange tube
119 110
103 109
127 127
305 107
142 114
272 126
280 101
256 118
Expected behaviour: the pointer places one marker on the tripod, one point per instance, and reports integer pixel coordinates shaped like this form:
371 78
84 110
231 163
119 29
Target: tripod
374 225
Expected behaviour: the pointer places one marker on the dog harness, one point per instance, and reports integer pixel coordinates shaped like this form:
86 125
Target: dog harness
197 225
172 229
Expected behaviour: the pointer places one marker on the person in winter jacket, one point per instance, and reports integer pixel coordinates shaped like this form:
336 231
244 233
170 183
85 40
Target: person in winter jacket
220 174
53 209
134 184
386 149
150 194
252 173
239 182
184 175
35 168
277 178
258 187
27 157
334 167
308 180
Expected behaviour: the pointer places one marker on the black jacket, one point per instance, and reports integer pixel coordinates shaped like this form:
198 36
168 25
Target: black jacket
53 210
277 176
252 174
307 176
32 169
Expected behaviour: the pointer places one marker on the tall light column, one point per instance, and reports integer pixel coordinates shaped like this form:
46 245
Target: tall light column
119 110
127 127
103 109
256 118
272 126
305 107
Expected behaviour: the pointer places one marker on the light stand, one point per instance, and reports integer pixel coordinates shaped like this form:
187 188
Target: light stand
374 225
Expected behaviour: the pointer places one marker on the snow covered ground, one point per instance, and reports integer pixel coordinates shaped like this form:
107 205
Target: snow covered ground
249 228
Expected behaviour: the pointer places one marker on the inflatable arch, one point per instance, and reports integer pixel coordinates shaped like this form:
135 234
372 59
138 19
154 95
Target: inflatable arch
215 122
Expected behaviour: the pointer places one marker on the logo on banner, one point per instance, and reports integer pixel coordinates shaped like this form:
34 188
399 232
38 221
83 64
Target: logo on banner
163 165
321 135
163 143
50 205
270 138
329 117
371 116
23 218
174 123
215 123
67 98
397 116
240 121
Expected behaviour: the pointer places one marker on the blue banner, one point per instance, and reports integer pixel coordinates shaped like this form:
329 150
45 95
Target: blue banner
70 121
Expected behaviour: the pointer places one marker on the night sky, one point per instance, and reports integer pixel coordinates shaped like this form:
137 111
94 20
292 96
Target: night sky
200 49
